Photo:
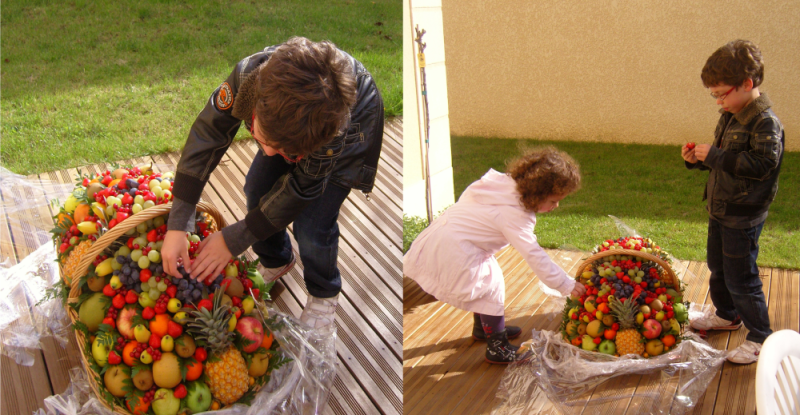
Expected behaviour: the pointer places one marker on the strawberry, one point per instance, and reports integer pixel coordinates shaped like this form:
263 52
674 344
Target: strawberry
200 354
148 313
131 297
172 291
154 342
110 322
119 301
597 340
114 358
108 291
690 146
179 391
144 275
255 292
205 303
174 329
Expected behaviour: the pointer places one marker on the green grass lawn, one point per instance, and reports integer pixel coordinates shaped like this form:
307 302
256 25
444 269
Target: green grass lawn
95 81
647 187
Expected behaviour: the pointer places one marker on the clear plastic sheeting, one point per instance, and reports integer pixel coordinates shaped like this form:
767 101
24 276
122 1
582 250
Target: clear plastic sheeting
22 322
300 386
575 381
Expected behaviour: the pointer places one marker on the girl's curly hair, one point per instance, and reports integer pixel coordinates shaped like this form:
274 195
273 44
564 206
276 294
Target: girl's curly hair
543 172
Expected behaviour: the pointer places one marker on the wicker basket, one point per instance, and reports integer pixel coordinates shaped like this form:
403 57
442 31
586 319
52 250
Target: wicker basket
667 275
96 249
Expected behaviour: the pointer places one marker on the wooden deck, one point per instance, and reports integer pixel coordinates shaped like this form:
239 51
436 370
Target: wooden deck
368 320
444 371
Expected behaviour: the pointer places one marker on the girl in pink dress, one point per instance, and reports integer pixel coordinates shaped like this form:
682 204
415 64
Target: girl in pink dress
453 258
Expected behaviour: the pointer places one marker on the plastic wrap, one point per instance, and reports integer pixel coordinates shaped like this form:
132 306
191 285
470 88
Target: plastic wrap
575 381
30 309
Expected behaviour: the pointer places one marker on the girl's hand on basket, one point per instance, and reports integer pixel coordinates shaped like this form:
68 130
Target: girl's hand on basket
174 248
212 257
579 290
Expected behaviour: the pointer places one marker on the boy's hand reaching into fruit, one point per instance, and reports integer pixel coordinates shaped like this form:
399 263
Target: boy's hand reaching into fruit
579 290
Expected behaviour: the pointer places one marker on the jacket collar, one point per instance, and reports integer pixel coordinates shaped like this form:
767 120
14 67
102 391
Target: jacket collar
759 105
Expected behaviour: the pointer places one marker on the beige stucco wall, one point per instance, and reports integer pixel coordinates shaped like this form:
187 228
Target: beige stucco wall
608 70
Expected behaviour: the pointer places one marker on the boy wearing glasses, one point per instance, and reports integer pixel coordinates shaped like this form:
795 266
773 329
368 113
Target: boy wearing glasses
317 116
744 164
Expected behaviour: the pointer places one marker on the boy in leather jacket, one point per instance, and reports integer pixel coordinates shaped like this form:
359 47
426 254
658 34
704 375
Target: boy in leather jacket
744 164
317 117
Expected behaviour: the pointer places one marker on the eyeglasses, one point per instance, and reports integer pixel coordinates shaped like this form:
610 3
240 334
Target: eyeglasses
265 144
723 96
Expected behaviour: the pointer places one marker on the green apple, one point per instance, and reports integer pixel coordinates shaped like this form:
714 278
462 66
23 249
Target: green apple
100 352
198 396
607 347
164 402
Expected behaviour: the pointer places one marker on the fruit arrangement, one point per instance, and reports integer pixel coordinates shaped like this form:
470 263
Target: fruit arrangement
154 343
633 301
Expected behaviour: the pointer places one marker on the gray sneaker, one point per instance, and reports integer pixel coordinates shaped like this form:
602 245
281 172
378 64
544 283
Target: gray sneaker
319 312
272 274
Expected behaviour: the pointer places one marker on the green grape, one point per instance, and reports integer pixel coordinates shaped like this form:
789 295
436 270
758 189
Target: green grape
148 204
158 191
159 244
154 256
617 269
130 232
136 254
194 238
158 221
110 210
154 294
124 250
165 185
141 228
136 208
640 274
149 223
167 195
162 286
138 199
151 283
141 241
144 262
153 184
115 265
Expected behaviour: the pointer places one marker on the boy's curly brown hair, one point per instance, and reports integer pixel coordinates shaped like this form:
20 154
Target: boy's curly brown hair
306 90
734 63
543 172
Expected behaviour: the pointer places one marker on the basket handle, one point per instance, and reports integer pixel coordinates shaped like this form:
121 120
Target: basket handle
134 220
630 252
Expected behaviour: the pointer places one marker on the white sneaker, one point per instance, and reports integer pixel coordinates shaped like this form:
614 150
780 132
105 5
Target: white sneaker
745 354
319 312
272 274
715 323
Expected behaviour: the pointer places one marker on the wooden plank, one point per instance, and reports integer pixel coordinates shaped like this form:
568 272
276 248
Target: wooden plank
429 383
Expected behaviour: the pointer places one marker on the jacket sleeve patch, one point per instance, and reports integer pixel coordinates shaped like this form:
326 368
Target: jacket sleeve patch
224 97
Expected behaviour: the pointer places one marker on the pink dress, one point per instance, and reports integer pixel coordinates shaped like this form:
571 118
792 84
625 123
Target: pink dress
453 258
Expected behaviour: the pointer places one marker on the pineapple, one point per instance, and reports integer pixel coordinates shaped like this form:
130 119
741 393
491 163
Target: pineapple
629 340
226 369
74 258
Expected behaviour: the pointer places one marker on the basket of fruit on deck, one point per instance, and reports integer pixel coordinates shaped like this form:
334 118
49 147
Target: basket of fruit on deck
633 302
153 343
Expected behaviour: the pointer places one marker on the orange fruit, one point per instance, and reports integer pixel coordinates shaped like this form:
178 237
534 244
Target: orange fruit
668 340
113 182
126 353
64 220
81 212
193 370
140 407
267 342
159 325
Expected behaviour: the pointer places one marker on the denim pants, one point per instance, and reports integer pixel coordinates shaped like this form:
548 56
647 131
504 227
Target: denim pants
735 287
315 228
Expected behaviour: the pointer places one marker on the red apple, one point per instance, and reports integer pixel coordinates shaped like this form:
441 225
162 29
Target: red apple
125 322
250 328
652 328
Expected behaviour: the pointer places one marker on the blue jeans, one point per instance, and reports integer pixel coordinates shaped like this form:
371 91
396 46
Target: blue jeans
315 228
735 287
